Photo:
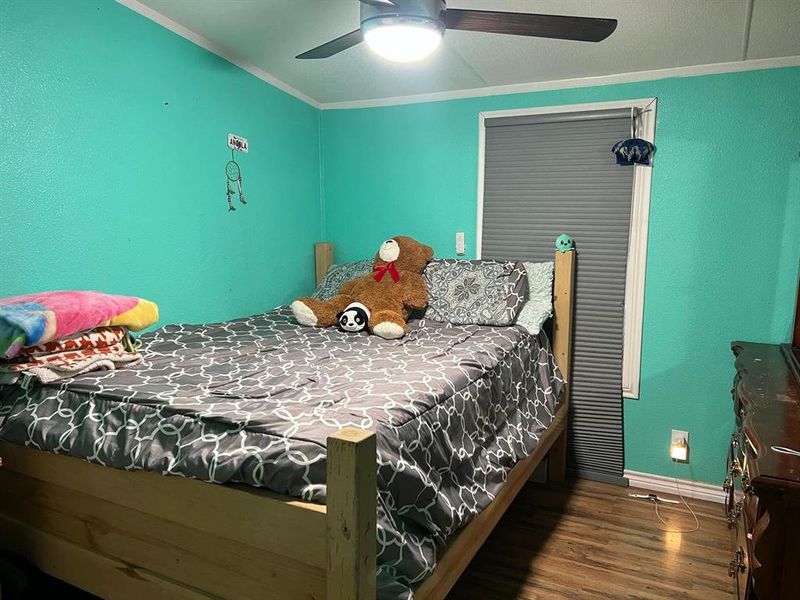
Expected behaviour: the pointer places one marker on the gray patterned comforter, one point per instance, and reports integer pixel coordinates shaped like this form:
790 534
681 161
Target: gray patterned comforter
253 400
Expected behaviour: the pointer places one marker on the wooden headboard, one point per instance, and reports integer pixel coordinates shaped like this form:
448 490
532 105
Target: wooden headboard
323 254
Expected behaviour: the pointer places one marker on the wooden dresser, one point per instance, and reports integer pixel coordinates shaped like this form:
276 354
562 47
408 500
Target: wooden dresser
763 485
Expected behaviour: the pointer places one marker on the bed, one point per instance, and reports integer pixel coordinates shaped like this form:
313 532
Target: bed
314 503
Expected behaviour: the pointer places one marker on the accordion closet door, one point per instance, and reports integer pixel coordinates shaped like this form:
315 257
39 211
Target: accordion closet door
550 174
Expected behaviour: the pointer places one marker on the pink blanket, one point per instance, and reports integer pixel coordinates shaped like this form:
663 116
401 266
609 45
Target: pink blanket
39 318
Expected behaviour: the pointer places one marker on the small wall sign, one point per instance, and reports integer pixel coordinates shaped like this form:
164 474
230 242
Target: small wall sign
237 143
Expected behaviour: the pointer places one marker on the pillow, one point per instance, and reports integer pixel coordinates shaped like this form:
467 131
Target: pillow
337 274
539 306
475 292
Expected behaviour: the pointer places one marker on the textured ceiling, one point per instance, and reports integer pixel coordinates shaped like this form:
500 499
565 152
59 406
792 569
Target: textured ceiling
652 34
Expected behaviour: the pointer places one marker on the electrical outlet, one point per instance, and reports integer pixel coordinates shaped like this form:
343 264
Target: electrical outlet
461 246
679 445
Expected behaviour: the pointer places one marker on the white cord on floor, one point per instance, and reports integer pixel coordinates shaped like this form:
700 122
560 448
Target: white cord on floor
689 508
685 503
656 501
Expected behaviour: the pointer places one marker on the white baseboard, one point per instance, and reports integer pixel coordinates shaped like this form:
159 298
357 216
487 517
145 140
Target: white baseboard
666 485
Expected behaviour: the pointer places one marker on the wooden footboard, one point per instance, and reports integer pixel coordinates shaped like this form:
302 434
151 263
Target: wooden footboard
132 535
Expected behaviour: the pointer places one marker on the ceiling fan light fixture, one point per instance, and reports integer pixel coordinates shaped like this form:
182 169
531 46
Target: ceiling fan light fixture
403 39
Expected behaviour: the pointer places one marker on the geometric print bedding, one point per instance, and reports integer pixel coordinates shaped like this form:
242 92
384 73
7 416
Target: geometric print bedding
475 292
253 401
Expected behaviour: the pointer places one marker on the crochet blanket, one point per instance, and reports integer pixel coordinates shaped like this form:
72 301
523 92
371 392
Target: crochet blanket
40 318
104 348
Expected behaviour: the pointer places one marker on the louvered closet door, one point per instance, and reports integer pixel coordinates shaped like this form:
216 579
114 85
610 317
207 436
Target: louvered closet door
549 174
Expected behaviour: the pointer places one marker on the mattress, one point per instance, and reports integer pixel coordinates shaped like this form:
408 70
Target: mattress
253 400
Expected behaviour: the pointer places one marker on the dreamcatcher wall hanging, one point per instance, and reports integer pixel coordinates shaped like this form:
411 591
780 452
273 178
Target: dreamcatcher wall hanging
233 173
635 150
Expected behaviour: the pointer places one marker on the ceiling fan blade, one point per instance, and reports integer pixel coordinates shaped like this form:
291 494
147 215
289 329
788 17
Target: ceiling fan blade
348 40
585 29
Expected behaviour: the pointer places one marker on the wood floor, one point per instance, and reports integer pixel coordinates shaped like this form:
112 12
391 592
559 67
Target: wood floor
589 540
582 540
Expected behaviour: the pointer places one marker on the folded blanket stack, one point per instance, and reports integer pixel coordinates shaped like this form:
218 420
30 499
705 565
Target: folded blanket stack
56 335
101 348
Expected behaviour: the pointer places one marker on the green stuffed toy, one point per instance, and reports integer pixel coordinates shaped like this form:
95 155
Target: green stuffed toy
564 243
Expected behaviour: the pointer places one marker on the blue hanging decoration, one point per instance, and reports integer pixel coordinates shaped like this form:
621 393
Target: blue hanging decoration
634 150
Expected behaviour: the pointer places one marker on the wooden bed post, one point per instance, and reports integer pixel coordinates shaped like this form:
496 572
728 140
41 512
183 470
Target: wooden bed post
352 515
563 306
323 256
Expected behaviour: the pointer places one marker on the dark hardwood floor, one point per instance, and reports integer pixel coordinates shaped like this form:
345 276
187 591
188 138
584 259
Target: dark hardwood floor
590 540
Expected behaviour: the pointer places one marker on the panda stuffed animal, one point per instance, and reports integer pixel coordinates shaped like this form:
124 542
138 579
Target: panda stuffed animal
354 318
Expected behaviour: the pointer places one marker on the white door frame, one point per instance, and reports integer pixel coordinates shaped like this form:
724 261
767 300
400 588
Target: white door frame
640 213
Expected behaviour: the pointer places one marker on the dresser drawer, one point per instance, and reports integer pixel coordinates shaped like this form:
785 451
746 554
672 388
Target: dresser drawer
750 525
739 566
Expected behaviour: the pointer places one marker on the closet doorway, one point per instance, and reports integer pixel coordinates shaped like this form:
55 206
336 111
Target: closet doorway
547 171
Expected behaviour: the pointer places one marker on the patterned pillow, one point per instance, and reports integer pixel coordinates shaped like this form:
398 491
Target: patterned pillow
539 306
475 292
337 274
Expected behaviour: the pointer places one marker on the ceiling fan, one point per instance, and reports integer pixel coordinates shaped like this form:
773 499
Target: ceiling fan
409 30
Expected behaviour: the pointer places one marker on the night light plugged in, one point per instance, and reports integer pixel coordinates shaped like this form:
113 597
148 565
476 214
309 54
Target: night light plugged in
679 446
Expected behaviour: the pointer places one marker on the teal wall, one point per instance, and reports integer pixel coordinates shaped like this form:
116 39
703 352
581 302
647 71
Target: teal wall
724 235
111 168
113 135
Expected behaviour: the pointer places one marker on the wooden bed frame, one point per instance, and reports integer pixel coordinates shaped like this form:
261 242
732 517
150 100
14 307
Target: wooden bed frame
131 535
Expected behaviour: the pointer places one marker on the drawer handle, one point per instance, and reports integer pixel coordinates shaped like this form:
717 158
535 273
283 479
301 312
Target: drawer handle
747 488
737 565
734 513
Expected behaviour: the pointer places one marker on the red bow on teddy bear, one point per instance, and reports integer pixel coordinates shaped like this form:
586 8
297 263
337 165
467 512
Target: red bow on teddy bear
380 271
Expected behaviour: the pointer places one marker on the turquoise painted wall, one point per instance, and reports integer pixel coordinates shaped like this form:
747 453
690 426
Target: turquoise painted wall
111 161
724 236
112 152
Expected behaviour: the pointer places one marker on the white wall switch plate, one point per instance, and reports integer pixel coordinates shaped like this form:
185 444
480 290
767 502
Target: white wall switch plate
238 143
461 246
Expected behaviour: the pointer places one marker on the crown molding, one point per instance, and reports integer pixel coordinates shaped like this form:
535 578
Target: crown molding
521 88
198 39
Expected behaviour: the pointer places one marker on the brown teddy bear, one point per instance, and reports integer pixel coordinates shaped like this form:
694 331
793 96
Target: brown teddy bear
388 295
